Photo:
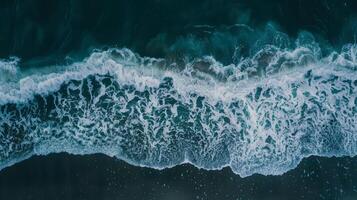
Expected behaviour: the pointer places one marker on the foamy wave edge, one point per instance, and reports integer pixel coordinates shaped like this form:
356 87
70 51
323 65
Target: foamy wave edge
231 83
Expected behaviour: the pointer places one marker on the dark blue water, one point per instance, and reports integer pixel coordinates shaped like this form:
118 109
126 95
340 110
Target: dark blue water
151 27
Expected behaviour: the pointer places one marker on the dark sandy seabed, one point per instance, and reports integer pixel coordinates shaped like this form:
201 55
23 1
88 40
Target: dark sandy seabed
63 176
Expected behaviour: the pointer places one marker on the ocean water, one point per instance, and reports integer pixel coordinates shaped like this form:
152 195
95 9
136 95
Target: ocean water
254 87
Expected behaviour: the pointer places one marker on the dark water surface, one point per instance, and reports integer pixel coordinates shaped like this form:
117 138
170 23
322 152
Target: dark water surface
48 29
63 176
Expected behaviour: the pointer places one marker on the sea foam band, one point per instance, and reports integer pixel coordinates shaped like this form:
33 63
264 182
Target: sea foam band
262 115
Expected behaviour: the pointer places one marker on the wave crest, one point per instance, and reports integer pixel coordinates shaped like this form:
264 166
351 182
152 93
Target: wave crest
261 115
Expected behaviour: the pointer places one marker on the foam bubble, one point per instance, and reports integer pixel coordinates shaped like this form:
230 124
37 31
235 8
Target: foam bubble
262 115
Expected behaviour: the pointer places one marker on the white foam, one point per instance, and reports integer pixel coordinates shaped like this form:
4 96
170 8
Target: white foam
255 117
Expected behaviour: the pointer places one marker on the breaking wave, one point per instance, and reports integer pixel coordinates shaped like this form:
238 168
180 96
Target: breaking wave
263 114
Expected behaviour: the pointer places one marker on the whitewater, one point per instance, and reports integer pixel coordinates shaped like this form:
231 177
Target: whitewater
261 115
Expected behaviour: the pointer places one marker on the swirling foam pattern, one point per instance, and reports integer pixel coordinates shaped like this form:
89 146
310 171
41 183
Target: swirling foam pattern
263 115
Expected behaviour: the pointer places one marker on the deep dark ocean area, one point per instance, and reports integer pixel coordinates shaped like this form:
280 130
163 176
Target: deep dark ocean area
178 99
60 28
